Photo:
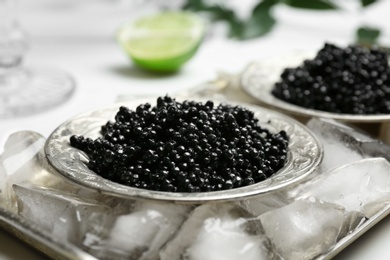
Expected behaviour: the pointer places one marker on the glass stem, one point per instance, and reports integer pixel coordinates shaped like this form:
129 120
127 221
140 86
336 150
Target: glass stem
13 42
7 13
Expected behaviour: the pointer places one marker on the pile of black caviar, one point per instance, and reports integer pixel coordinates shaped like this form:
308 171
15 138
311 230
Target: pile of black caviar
185 147
352 80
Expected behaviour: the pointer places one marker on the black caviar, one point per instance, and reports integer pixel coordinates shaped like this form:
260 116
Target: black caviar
185 147
352 80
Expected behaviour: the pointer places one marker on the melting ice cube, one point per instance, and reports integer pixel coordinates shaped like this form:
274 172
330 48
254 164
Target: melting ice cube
303 229
137 235
62 214
340 145
260 205
353 220
22 160
224 238
352 138
219 231
119 205
362 186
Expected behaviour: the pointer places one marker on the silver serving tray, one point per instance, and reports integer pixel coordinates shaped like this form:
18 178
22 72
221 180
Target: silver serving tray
259 78
62 250
304 155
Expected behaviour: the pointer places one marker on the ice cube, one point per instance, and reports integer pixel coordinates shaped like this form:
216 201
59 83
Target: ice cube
353 220
362 186
219 231
340 145
303 229
353 138
89 194
225 238
22 160
59 213
137 235
259 205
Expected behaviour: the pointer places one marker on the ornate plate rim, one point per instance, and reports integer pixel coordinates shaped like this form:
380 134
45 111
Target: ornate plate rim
305 155
258 85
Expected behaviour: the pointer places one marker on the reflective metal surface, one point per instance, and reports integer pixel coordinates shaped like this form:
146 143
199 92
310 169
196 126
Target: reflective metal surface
305 154
45 243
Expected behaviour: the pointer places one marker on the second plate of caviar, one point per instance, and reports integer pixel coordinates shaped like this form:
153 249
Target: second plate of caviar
183 151
350 84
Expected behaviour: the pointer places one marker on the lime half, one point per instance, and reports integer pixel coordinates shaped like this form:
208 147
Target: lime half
162 42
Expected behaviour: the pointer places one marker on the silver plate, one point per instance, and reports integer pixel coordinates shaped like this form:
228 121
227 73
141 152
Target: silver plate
304 155
259 78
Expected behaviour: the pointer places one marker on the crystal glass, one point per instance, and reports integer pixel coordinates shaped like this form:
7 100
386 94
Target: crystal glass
25 90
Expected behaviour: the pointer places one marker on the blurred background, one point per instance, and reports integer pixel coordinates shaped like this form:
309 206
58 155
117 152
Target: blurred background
79 36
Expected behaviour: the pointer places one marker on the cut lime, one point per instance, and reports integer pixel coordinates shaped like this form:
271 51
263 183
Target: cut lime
162 42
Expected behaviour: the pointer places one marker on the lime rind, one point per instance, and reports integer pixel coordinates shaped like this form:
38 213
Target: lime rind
164 41
167 64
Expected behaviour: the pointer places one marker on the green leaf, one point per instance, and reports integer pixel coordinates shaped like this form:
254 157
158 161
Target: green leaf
367 35
217 13
195 5
312 4
261 21
365 3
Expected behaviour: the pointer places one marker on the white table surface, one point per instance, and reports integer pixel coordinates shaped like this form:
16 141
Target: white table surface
78 36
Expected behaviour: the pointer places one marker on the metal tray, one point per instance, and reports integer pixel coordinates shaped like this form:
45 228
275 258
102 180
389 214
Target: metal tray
44 242
47 244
